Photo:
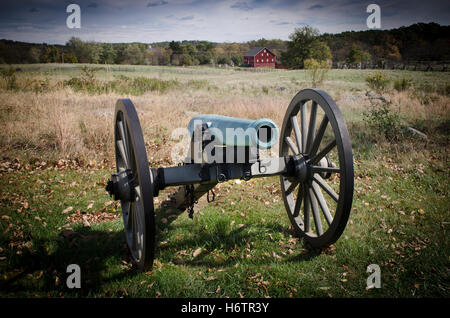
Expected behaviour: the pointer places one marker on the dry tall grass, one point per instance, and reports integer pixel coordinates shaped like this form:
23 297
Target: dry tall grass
61 123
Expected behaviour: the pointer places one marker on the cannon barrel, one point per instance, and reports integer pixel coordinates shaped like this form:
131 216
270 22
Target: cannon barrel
231 131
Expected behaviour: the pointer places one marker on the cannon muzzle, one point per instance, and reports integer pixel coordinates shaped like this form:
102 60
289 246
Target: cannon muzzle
231 131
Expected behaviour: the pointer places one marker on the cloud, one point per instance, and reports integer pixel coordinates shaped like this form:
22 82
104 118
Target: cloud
220 20
316 6
157 3
189 17
241 6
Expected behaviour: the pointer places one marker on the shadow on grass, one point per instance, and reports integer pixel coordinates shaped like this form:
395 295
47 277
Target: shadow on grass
97 252
101 255
220 236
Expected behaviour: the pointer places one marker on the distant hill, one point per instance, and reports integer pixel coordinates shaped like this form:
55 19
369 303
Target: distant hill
417 42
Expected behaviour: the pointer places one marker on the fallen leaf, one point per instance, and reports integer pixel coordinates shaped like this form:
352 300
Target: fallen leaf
67 210
108 203
276 256
197 252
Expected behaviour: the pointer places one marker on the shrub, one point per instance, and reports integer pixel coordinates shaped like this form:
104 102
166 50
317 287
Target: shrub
9 74
88 74
386 122
145 84
317 70
40 85
379 82
402 84
197 84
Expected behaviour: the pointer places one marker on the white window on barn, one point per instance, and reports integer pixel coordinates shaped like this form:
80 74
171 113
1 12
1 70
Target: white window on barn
267 54
257 60
272 60
264 51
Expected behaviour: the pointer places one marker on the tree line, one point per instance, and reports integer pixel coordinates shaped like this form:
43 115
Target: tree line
418 42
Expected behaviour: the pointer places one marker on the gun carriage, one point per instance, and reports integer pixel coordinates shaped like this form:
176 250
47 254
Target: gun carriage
315 165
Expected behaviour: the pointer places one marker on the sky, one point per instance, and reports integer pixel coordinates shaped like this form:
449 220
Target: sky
148 21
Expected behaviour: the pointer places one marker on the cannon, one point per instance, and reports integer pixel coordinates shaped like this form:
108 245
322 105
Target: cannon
314 163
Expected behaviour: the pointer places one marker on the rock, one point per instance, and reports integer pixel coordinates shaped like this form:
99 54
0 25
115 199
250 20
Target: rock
414 132
373 96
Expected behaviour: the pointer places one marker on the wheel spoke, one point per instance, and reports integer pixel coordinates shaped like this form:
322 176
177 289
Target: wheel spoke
324 151
122 135
317 169
312 126
324 185
298 202
292 186
319 136
315 212
292 145
124 157
303 118
298 136
322 203
123 131
306 209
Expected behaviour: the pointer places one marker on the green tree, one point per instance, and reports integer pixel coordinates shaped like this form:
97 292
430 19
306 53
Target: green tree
305 44
133 55
237 60
50 54
190 49
108 55
357 55
206 58
85 52
204 46
34 54
176 47
222 60
70 58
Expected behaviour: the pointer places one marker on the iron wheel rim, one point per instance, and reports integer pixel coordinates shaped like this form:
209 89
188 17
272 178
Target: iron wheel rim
312 188
138 213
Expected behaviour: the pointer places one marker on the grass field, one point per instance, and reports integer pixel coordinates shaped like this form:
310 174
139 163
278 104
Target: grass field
57 154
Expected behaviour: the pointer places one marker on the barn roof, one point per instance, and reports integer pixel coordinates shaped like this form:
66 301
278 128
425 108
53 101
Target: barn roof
256 50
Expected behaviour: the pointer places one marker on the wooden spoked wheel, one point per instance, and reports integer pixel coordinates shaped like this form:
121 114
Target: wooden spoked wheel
137 204
318 196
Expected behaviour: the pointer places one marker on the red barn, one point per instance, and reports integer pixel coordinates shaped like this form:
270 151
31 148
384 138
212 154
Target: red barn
260 57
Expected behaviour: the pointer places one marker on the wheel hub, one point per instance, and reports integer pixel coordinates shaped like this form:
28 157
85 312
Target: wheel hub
302 169
120 185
